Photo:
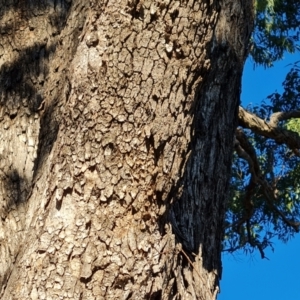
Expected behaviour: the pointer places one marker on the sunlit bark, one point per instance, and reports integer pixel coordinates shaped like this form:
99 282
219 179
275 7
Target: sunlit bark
118 119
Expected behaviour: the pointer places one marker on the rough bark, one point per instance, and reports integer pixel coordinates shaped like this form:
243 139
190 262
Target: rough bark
121 117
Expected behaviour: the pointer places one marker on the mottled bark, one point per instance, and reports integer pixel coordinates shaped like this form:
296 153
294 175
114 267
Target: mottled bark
130 111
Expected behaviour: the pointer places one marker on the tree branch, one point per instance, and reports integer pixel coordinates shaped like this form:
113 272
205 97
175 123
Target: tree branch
281 116
271 198
254 243
269 130
246 151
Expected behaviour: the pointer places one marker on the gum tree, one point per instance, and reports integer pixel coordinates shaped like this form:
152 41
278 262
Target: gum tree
118 123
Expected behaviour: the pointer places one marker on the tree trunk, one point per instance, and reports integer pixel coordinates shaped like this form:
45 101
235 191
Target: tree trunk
117 125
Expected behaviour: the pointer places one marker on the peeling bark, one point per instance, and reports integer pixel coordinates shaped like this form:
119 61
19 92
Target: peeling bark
132 107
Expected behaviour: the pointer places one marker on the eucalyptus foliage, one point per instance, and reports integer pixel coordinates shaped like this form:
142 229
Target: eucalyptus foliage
277 30
260 210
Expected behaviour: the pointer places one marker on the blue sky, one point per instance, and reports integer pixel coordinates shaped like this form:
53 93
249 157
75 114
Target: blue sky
250 277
